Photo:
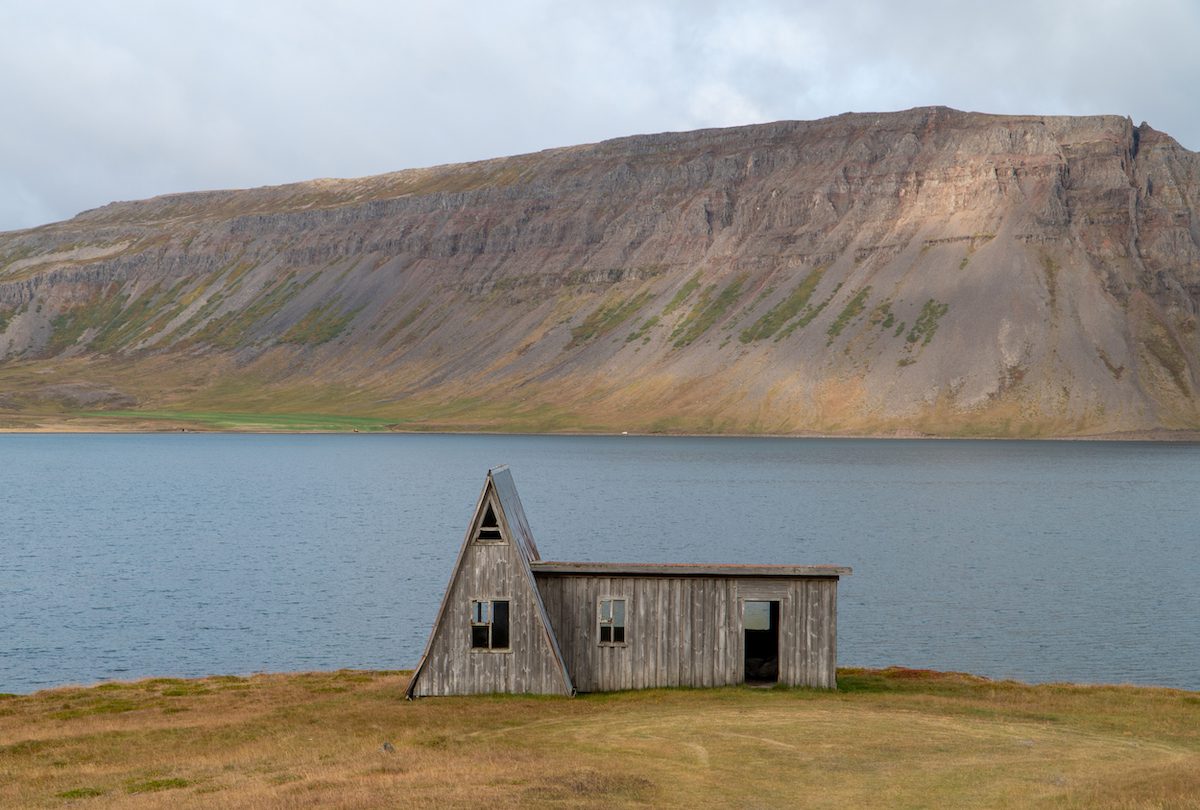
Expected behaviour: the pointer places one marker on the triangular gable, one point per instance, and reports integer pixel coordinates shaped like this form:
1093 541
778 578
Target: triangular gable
499 496
512 515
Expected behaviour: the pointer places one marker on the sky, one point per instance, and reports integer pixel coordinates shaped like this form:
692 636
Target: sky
106 100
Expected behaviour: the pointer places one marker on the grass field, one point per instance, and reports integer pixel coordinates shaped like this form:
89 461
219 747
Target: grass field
206 393
892 738
247 421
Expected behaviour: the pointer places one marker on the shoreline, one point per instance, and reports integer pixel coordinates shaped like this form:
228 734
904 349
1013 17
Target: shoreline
910 673
1158 435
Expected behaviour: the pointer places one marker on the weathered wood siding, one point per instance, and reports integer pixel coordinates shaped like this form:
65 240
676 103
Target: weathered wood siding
490 571
687 631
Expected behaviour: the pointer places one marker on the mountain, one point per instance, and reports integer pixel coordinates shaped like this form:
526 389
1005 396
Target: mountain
927 271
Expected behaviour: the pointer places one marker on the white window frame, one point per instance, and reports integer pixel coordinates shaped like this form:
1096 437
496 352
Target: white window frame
600 621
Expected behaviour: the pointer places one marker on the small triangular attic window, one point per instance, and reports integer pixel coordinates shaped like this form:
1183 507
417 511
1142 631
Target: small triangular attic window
489 527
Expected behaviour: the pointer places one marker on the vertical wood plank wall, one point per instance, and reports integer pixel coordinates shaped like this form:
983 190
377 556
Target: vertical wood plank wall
490 571
687 631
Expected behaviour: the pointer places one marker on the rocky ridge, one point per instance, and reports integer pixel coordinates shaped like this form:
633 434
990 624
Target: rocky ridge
928 271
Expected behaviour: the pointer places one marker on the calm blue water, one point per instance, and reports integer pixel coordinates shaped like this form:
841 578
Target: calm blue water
131 556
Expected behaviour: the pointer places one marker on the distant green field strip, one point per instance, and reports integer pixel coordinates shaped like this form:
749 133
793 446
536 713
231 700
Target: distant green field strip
287 421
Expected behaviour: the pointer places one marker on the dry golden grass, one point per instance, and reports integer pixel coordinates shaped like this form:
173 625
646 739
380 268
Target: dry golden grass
895 738
213 392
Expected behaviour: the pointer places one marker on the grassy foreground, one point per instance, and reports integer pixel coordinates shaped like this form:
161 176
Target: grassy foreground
891 738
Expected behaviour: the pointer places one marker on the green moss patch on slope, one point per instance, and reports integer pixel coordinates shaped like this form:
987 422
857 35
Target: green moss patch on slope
642 332
854 307
607 317
100 311
882 316
231 329
321 325
791 306
807 316
707 311
927 322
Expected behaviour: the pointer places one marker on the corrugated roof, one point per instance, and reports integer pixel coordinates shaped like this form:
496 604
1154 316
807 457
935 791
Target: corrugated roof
510 504
687 569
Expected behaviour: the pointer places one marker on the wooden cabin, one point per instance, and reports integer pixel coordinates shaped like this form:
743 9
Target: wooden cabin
512 622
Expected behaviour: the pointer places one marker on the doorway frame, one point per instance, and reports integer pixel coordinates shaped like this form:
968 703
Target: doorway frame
781 602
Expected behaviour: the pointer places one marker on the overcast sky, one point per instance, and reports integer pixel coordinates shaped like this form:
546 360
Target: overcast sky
114 100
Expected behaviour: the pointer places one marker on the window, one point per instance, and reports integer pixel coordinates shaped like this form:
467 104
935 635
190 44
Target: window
612 621
489 527
489 624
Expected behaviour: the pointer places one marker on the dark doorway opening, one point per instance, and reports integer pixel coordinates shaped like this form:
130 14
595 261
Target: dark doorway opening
760 620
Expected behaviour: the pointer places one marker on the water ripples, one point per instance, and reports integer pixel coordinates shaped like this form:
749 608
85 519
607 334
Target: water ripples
131 556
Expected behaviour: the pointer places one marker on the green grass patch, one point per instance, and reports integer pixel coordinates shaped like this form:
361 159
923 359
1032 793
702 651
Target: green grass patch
238 275
708 310
183 691
807 316
763 296
854 307
100 311
131 319
927 322
14 256
882 316
642 332
235 270
682 294
791 306
321 325
229 330
155 785
272 421
206 310
154 683
607 317
171 313
108 706
80 793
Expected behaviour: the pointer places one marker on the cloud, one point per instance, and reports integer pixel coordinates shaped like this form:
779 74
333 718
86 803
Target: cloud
120 100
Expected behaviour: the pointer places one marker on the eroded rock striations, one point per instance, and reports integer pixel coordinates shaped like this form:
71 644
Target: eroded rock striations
929 270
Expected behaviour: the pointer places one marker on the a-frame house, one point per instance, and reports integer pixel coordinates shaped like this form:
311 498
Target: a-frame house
491 633
512 622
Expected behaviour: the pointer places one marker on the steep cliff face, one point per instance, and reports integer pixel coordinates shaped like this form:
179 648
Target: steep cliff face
932 270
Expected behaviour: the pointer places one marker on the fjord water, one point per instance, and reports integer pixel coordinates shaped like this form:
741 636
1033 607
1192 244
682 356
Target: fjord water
125 556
